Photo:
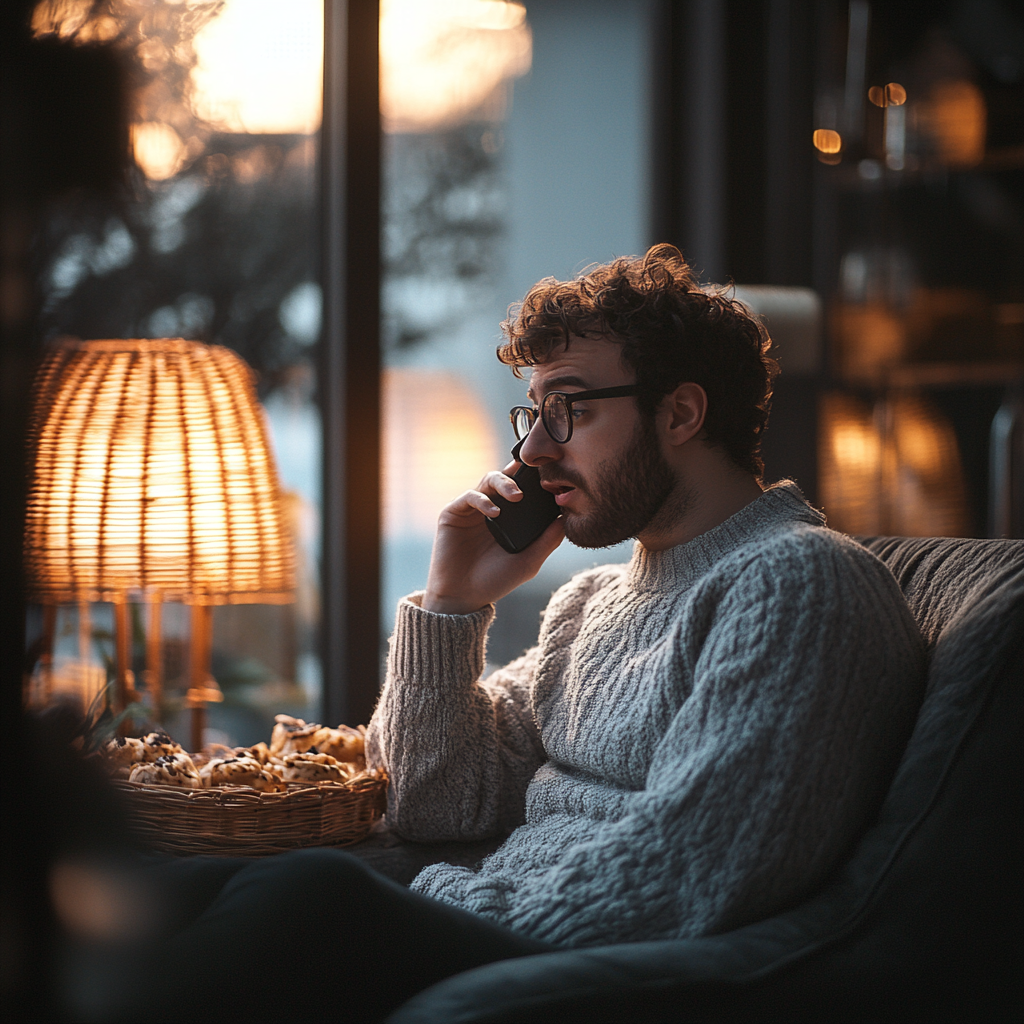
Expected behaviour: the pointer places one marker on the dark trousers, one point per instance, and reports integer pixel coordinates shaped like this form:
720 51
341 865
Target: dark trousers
310 935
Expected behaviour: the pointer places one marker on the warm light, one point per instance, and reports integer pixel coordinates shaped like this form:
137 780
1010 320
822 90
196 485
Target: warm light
827 141
954 115
438 442
921 444
877 96
895 94
872 336
445 60
260 65
60 17
856 446
158 150
894 469
849 458
924 476
72 19
151 473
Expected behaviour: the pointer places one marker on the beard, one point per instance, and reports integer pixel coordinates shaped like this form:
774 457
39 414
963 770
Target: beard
628 496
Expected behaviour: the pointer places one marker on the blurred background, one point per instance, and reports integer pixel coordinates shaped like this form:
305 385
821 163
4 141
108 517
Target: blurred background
856 170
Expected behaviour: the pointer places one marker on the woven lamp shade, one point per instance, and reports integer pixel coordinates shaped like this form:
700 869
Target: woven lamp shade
151 472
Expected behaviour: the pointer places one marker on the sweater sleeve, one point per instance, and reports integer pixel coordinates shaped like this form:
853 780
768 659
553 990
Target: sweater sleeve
459 753
807 670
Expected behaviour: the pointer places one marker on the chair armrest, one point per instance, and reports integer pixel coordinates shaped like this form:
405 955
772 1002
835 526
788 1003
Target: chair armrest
631 982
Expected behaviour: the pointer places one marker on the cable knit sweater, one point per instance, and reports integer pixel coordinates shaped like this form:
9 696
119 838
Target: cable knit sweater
694 743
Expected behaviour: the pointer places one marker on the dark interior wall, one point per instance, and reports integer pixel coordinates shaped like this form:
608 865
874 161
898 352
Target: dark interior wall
735 180
62 127
733 93
746 108
788 120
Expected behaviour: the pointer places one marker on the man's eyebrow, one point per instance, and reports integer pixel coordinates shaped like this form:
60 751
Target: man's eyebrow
556 383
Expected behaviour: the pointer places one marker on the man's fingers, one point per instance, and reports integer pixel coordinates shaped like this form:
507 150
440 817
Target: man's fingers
497 482
468 504
480 500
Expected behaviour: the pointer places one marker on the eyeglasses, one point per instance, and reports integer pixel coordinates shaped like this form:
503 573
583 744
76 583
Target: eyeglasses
556 411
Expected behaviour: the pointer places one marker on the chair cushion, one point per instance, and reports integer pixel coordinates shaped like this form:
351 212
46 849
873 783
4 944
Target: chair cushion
924 921
944 579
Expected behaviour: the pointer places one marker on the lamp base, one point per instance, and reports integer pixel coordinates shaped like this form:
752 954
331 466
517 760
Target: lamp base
196 698
198 726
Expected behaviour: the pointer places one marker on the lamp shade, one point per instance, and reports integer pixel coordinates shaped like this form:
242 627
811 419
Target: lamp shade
150 471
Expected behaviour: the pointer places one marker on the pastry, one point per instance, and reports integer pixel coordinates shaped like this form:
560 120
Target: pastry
292 735
158 744
302 740
169 770
239 771
123 751
258 751
308 767
343 743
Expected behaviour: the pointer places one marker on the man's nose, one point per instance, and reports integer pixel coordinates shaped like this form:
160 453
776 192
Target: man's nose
538 447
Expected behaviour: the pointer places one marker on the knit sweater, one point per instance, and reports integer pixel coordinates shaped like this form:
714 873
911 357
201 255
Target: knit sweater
695 742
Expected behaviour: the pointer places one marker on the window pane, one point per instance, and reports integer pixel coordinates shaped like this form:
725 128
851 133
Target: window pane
215 239
479 205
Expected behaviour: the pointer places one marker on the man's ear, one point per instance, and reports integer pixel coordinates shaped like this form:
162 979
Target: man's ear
684 410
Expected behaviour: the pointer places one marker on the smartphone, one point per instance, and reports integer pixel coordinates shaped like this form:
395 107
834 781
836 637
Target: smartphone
521 522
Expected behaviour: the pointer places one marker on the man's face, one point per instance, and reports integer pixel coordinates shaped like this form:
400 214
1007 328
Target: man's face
610 479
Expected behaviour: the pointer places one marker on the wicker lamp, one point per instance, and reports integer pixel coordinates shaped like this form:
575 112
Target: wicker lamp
152 478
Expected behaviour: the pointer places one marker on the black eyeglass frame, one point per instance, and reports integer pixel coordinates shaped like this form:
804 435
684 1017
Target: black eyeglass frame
567 399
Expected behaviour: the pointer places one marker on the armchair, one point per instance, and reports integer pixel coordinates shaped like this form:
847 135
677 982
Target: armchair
924 920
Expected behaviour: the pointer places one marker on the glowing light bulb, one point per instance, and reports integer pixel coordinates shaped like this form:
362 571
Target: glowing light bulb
827 141
158 150
895 94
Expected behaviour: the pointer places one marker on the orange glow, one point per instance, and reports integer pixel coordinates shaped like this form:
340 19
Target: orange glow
151 471
258 64
158 150
922 443
877 96
441 61
60 17
827 141
954 115
259 67
445 60
872 336
923 472
438 442
893 469
849 458
71 19
895 94
856 446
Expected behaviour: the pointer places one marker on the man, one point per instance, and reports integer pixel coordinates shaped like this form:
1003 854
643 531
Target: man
698 736
694 743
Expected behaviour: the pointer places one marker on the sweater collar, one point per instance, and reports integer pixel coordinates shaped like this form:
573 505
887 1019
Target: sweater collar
780 505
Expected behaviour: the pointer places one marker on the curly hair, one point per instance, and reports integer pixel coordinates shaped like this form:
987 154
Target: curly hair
671 331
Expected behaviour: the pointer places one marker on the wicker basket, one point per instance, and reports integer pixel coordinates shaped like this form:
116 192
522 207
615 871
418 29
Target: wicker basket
239 821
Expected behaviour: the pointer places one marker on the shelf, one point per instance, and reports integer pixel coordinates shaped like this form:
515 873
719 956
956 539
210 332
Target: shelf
944 375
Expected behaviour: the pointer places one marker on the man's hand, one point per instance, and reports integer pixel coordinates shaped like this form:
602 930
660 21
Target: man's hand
468 569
